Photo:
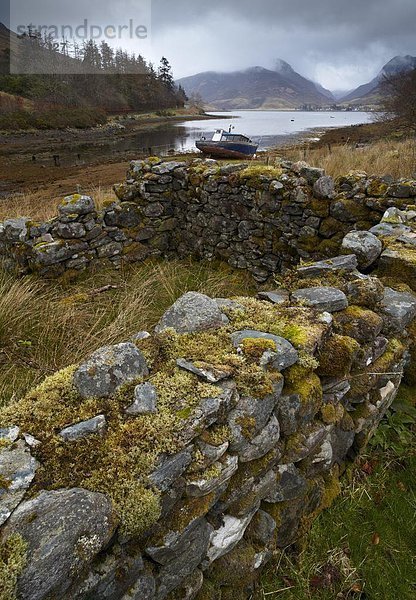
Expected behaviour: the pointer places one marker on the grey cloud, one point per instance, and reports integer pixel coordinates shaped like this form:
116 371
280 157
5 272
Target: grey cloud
342 43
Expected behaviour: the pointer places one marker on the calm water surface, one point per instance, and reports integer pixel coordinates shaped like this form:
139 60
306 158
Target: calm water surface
269 128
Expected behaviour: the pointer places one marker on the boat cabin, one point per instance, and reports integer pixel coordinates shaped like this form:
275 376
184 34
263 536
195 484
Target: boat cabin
223 136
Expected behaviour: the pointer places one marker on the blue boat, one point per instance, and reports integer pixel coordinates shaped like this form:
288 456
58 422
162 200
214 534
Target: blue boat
225 144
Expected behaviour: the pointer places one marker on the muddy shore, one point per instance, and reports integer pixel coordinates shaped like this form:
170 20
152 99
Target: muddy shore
99 157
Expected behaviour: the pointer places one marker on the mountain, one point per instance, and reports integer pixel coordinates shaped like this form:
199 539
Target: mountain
370 91
256 88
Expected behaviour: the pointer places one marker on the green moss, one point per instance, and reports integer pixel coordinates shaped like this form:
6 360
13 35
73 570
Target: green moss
209 591
117 463
320 207
330 489
12 562
328 248
216 435
255 175
297 324
308 387
366 293
337 355
308 243
402 268
139 508
358 323
185 512
248 426
4 483
377 188
256 347
331 413
362 382
234 569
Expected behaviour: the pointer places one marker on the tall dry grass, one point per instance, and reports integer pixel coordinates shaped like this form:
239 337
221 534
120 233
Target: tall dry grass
40 207
46 326
390 157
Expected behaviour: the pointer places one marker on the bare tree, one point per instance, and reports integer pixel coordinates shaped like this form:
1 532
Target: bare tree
399 100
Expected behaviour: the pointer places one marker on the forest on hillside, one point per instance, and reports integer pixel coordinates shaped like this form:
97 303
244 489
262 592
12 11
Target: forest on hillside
90 75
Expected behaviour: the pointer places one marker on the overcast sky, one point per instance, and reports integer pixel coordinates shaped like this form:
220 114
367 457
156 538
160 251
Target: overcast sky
339 43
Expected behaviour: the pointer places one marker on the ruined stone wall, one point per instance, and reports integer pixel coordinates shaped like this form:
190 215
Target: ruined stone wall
172 466
254 217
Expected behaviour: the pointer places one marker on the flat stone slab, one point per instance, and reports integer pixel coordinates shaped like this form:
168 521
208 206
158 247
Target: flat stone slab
191 313
83 429
224 539
323 299
208 373
289 484
170 469
283 357
274 296
17 471
259 446
332 265
399 310
389 230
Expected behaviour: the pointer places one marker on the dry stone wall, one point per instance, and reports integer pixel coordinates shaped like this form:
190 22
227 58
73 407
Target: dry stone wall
257 218
173 465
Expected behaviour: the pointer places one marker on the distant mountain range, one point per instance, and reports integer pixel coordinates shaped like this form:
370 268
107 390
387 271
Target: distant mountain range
283 88
371 91
256 88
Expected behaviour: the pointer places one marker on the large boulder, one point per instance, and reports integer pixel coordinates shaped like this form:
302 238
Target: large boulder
190 313
76 205
365 245
109 368
64 531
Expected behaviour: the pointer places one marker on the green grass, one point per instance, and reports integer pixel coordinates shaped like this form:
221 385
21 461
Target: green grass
364 546
47 325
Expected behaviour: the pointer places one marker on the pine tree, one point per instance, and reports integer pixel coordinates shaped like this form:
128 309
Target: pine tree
165 74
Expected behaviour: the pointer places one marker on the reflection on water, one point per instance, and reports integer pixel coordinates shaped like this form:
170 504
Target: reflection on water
270 128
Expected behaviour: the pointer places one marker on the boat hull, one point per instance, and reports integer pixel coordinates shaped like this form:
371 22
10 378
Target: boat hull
227 149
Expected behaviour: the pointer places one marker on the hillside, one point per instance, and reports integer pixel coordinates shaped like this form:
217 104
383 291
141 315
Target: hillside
370 92
95 77
256 88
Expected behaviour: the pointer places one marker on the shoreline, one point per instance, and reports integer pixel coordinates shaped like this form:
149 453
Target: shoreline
103 165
